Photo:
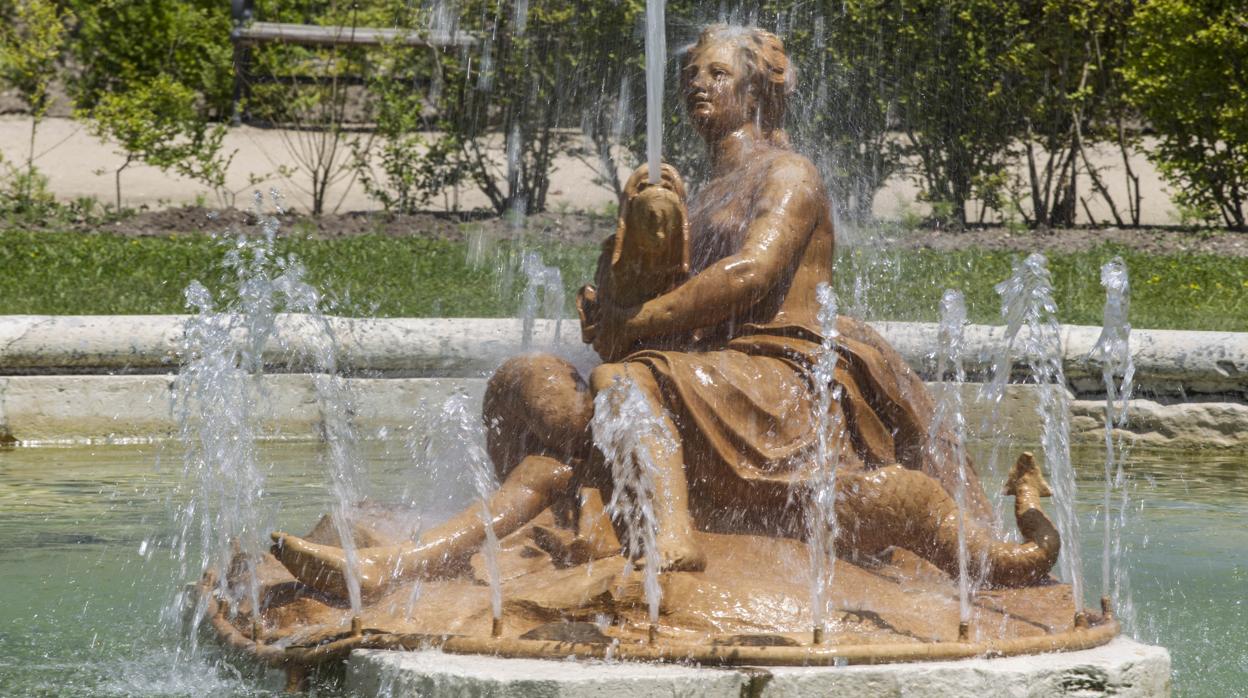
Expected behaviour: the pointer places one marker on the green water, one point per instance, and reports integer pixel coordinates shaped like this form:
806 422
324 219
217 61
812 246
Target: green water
85 568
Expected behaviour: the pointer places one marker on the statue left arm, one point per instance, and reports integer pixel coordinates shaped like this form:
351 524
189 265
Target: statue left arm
785 215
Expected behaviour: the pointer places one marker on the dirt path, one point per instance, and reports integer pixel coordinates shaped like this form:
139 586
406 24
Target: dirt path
79 165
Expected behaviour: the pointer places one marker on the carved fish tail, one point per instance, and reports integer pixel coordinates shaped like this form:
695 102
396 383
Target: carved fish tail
896 506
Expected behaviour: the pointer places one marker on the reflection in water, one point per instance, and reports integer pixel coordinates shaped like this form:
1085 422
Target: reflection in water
85 563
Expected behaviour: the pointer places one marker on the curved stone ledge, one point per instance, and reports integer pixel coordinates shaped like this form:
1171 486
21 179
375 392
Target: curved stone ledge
71 409
1168 362
56 344
1121 668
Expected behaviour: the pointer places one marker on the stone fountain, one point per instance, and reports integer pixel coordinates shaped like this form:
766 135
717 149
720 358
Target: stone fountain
747 479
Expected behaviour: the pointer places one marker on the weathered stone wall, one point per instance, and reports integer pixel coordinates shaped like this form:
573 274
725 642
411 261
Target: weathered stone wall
99 378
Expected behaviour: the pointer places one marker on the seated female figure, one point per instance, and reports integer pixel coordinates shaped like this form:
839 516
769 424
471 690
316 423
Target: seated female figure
711 312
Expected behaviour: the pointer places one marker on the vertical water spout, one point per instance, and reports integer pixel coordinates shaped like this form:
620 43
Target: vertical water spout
1027 304
314 342
628 433
456 437
950 419
656 57
217 403
547 280
222 476
1113 351
821 523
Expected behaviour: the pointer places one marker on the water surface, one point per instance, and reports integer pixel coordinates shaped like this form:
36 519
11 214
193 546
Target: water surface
85 567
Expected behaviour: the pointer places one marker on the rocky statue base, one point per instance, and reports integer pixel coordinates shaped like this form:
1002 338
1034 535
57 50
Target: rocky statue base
894 608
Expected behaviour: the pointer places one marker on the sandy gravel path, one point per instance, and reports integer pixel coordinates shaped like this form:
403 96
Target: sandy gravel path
79 165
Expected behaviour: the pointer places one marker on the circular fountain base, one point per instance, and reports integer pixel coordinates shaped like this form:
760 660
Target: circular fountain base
899 609
1121 668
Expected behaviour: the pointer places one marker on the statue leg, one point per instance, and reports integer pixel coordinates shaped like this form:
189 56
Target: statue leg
537 411
677 547
530 488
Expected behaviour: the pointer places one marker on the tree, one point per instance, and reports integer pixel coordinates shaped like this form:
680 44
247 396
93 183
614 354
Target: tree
847 95
1072 99
30 49
158 122
410 164
541 65
959 67
1187 70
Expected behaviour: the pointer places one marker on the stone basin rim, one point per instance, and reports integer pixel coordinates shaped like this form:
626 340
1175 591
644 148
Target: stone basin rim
1100 631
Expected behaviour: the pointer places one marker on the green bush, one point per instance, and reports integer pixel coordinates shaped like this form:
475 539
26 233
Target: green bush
120 43
1186 71
535 76
960 66
408 164
30 48
158 122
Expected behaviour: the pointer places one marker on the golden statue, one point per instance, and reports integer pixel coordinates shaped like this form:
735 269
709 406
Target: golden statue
708 306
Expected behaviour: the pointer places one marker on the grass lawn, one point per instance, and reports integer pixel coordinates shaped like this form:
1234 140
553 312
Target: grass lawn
73 273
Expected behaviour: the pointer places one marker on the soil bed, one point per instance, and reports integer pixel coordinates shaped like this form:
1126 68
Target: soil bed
1152 240
586 228
576 228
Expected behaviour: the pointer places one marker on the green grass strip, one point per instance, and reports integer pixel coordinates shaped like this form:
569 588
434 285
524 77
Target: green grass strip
91 274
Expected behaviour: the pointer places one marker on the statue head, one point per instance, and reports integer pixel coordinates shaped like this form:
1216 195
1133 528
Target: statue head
735 75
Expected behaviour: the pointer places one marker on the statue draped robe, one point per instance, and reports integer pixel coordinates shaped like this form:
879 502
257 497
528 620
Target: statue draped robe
742 393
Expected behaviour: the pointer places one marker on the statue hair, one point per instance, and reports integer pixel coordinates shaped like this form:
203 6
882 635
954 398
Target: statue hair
772 77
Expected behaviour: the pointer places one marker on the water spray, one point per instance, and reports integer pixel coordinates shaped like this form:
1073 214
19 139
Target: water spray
656 57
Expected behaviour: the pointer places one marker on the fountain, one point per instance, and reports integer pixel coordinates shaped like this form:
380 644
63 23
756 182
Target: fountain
745 465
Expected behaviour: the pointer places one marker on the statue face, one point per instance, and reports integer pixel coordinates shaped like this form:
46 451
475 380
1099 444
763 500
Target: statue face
717 95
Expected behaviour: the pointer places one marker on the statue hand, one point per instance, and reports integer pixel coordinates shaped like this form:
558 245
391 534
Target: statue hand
613 337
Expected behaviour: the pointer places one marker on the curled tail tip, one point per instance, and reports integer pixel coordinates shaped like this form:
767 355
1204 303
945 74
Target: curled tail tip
1026 473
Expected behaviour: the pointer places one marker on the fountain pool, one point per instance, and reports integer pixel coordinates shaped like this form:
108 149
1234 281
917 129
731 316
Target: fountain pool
86 568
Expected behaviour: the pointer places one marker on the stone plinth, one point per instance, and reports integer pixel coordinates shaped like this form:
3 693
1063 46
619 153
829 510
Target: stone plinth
1123 668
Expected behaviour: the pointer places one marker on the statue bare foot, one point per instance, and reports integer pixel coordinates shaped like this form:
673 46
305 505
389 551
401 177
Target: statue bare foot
324 567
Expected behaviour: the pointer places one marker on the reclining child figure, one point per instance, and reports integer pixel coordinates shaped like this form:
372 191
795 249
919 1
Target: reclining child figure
710 310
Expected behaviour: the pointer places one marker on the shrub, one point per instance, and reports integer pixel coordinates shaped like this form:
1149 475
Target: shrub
1185 69
410 163
30 47
847 91
536 73
120 43
158 122
959 65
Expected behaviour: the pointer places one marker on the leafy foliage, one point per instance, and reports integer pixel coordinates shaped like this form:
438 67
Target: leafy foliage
948 92
536 73
121 43
1186 69
158 122
30 48
960 65
410 164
